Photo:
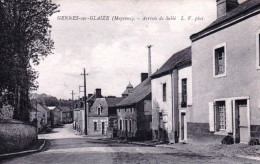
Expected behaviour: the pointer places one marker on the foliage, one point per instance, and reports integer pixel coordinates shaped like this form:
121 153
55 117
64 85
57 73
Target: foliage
228 140
45 99
253 141
25 39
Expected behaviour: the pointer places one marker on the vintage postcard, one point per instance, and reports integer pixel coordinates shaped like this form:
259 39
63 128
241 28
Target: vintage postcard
129 81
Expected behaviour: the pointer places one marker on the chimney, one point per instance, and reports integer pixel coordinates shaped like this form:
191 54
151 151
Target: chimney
144 76
149 60
224 6
98 93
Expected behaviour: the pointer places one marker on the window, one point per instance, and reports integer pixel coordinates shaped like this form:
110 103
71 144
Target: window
81 104
220 115
126 128
95 126
130 125
258 50
219 59
99 110
164 92
120 125
184 93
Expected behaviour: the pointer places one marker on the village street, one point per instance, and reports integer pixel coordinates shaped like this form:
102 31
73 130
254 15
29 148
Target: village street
64 146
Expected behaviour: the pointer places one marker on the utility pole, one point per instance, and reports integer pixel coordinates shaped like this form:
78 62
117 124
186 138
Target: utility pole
149 60
85 101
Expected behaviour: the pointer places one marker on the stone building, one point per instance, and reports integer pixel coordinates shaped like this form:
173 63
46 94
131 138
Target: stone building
66 114
226 77
171 97
102 116
134 113
40 112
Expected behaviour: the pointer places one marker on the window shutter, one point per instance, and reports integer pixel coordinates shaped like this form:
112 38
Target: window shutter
211 117
229 110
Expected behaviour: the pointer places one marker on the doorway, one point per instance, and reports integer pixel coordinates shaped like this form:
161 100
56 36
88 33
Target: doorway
242 133
183 127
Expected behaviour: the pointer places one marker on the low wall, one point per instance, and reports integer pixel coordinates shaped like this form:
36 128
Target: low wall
199 132
16 136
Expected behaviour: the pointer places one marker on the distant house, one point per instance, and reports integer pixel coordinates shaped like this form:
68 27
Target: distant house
134 113
56 115
41 113
172 96
66 114
79 110
103 116
226 75
128 90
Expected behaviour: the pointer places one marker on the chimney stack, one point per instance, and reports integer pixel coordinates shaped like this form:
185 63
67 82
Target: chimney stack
224 6
149 60
98 93
144 76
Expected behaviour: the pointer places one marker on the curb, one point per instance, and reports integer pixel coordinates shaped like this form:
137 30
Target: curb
23 152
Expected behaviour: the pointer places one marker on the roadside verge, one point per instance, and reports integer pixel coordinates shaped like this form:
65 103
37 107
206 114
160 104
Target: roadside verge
8 155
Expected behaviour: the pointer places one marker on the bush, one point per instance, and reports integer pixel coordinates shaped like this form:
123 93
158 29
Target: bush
253 142
48 129
228 140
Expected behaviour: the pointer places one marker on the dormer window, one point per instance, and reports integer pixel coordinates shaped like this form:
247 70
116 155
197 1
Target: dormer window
99 109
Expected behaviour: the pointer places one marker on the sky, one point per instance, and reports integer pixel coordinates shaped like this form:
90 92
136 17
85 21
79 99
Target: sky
114 53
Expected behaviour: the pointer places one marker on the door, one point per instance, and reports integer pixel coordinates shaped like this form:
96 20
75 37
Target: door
183 129
103 128
243 124
182 125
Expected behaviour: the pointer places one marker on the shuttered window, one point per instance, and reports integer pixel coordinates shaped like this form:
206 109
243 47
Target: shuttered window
211 117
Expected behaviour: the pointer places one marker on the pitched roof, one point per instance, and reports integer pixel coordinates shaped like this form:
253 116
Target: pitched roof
112 101
32 109
139 93
65 109
92 98
241 10
129 85
177 59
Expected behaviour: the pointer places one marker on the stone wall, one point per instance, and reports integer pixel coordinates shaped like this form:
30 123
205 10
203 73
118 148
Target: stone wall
255 131
16 136
6 112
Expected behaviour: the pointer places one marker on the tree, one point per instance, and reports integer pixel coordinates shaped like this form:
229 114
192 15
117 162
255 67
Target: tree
25 39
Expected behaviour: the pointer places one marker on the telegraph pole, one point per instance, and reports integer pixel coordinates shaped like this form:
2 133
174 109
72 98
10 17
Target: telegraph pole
85 101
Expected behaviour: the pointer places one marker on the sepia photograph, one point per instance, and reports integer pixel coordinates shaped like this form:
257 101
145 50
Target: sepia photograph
129 81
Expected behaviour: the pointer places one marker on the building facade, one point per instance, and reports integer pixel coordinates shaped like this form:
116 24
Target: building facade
225 72
102 116
66 114
134 113
172 96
